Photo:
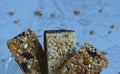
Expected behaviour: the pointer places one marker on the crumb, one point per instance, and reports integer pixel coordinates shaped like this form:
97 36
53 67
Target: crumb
3 60
92 32
100 10
38 13
112 26
53 15
17 21
11 13
104 52
39 29
110 32
77 43
76 12
39 36
11 55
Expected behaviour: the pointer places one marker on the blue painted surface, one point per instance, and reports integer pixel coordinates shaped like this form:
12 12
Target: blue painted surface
88 19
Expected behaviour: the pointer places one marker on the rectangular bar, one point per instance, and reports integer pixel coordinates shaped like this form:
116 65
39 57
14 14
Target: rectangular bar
87 61
59 46
28 52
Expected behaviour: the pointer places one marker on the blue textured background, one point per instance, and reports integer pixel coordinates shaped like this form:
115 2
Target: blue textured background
89 19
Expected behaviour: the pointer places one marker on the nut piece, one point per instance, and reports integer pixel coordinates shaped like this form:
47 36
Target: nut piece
76 12
17 21
104 52
53 15
92 32
38 13
110 32
11 13
112 26
100 10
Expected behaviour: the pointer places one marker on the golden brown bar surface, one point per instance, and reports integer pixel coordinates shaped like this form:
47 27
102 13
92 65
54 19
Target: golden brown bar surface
87 61
59 46
28 52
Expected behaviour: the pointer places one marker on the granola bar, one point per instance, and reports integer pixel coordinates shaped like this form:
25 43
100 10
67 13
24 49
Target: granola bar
87 61
59 46
27 51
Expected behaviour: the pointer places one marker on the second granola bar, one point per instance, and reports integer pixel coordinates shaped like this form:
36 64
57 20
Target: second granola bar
59 46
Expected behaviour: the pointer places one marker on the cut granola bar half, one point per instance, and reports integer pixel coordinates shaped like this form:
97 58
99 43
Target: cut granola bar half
59 47
87 61
28 52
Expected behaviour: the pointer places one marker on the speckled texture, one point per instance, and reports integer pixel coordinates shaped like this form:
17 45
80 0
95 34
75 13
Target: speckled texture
28 52
88 60
96 15
60 45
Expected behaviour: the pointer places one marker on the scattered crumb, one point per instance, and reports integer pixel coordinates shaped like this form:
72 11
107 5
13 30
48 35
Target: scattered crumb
104 52
17 21
77 43
39 29
38 13
3 60
112 26
53 15
110 32
11 13
76 12
92 32
100 10
39 36
11 55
